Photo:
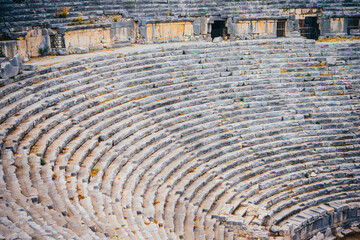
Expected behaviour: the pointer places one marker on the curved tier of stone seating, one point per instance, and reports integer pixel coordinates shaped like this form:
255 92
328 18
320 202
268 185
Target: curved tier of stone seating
173 142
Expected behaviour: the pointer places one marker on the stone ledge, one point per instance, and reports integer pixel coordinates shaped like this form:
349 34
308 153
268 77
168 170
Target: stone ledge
170 20
63 29
236 19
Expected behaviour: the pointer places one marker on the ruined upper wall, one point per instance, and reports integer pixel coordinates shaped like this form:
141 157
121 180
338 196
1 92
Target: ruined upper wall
19 15
37 27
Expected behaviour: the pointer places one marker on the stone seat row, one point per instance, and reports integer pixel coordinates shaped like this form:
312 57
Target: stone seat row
31 226
36 196
58 185
285 185
67 71
15 98
201 219
322 215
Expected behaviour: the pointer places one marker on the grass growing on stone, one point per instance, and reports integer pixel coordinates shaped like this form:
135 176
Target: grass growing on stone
42 161
94 172
43 51
63 13
76 21
282 70
338 39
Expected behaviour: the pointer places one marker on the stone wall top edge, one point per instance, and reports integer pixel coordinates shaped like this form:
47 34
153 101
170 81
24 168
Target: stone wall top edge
261 18
170 20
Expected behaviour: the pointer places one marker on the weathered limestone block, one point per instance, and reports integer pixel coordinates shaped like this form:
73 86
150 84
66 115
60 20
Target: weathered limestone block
203 26
12 68
38 42
355 229
319 236
248 29
85 36
197 26
300 13
62 51
337 26
123 31
334 26
8 49
30 67
169 31
217 40
17 61
81 50
8 70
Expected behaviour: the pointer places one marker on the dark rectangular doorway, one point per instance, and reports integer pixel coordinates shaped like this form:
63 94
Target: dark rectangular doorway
218 29
309 28
280 28
353 23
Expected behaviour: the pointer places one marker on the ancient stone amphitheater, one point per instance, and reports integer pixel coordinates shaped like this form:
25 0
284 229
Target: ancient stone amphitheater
246 128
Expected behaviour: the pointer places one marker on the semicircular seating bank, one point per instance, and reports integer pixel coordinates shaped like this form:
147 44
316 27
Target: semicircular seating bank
235 140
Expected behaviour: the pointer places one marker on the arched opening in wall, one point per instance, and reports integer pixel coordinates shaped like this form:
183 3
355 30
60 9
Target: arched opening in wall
352 23
280 28
218 29
309 28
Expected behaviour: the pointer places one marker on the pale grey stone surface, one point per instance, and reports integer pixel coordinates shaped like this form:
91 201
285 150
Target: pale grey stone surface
62 51
11 68
331 61
81 50
8 70
217 40
179 133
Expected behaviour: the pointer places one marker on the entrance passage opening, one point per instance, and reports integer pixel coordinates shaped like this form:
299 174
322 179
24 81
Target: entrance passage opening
280 28
309 28
218 29
353 23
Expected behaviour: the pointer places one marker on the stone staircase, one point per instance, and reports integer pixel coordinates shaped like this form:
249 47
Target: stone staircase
193 141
